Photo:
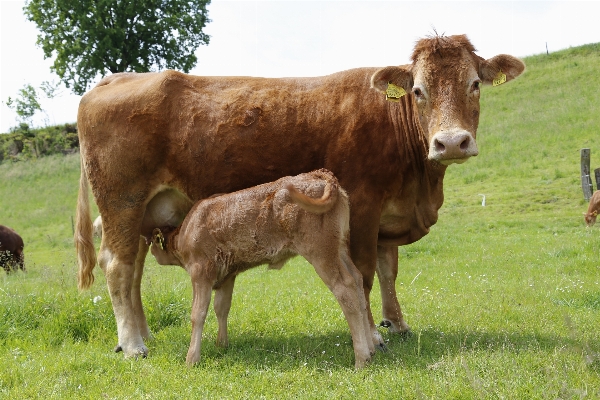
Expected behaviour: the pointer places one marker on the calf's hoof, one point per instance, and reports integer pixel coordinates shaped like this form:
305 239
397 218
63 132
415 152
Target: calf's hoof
359 364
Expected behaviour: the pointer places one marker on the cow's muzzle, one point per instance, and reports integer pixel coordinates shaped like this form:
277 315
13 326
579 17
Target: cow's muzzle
452 146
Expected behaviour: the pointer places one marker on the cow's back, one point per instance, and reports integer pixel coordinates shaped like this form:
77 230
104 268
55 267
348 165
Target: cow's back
206 135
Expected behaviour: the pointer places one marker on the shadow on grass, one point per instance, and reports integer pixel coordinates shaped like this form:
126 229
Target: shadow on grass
333 351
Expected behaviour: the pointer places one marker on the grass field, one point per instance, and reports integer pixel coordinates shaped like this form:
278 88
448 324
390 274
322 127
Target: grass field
504 300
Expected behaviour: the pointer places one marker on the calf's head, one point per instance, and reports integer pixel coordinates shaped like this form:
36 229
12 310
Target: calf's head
162 248
445 79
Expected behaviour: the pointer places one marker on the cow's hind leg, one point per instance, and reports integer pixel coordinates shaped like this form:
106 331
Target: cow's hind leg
136 294
119 278
222 306
343 285
117 258
387 271
201 292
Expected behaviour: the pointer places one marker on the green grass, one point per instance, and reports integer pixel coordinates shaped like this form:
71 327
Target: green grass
504 300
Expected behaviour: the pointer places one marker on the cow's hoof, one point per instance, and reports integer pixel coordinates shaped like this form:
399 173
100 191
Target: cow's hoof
382 347
401 329
385 324
405 335
141 351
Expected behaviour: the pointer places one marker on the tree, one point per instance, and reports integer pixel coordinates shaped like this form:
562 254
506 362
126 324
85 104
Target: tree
26 104
94 37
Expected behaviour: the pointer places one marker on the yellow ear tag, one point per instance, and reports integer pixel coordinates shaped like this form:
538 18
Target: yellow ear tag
499 79
160 238
393 92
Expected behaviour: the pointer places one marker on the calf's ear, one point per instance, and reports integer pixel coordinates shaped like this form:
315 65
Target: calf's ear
500 69
400 76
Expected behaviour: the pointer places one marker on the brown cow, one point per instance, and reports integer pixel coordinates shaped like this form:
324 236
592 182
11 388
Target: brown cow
11 250
153 144
593 209
267 224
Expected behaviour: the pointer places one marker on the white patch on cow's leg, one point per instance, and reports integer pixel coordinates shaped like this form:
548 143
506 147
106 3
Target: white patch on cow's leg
387 271
201 293
222 306
343 286
119 278
136 295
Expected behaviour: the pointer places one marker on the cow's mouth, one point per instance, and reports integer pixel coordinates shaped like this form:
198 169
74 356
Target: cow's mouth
456 160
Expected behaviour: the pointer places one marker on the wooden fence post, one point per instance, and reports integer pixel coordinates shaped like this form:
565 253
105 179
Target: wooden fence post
597 175
586 181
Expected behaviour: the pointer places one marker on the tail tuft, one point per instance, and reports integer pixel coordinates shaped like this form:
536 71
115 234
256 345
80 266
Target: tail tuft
84 244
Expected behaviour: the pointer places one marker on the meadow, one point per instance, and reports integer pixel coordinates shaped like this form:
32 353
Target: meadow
503 299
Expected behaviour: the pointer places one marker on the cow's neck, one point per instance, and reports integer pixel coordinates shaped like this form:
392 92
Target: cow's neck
408 213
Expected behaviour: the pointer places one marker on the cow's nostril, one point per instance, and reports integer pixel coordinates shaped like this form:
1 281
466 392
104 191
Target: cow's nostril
464 145
439 146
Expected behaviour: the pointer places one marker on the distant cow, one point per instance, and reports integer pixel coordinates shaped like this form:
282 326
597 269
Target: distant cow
98 227
267 224
593 209
11 249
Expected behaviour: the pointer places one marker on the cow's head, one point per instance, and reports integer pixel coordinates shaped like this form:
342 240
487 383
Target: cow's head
590 217
444 79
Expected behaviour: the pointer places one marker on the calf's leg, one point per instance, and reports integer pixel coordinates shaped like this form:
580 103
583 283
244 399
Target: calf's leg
222 306
201 292
344 287
351 268
387 272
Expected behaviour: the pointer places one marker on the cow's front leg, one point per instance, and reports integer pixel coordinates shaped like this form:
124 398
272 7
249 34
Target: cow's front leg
136 294
387 271
222 306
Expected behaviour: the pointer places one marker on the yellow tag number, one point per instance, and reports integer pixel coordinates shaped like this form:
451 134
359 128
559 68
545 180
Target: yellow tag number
393 92
499 79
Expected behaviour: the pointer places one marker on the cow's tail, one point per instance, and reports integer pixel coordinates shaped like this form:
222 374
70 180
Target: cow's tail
316 206
86 253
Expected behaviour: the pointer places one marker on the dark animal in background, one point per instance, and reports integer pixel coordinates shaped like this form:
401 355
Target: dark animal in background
11 250
593 209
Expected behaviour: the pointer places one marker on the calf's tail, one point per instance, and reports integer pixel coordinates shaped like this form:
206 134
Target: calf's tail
316 206
84 244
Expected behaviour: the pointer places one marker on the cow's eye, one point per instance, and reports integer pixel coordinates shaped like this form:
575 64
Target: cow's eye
476 85
417 92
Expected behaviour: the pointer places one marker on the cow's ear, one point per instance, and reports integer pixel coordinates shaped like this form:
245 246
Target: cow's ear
500 69
400 76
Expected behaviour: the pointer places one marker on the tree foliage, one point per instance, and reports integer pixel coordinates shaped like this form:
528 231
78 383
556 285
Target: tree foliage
94 37
26 104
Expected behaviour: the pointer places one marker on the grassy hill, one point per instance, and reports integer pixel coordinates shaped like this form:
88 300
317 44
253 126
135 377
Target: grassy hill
504 300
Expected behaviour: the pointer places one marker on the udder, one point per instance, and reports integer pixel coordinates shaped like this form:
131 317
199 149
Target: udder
168 208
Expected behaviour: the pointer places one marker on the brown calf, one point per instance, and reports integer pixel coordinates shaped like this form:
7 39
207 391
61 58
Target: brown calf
593 208
267 224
